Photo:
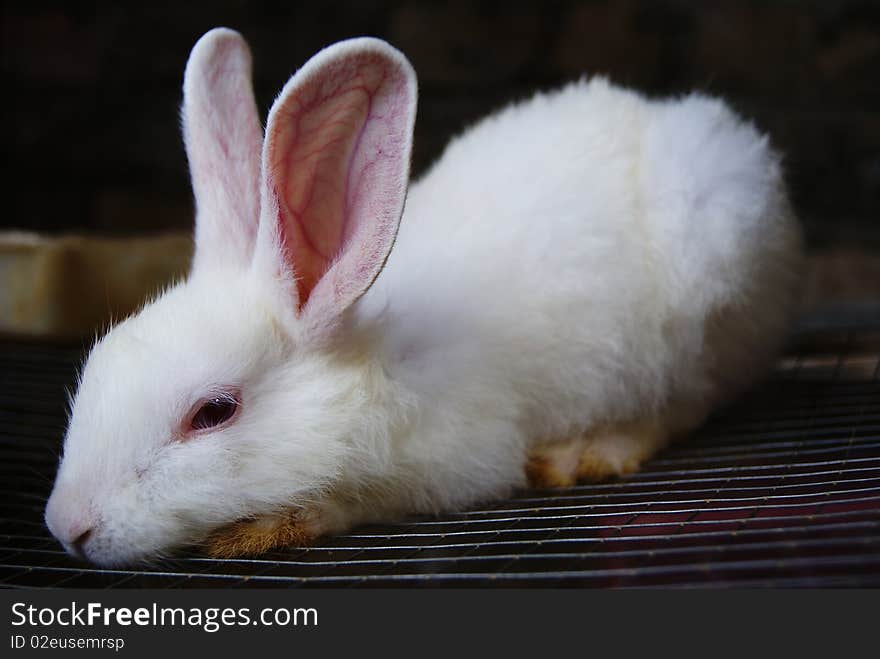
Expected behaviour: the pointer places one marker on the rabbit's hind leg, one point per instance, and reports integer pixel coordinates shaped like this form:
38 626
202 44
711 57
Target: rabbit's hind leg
606 451
617 450
602 453
555 464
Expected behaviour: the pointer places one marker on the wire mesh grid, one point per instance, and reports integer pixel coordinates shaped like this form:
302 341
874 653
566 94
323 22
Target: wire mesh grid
781 489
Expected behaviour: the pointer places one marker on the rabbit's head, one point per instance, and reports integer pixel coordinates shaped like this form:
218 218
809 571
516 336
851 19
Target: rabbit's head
239 391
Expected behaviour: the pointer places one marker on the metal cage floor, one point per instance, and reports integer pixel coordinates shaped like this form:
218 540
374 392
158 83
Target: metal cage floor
782 489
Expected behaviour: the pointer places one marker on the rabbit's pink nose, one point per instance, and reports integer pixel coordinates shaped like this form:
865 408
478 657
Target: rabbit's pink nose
79 542
69 524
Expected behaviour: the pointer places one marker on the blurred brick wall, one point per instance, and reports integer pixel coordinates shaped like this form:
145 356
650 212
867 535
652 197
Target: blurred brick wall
92 90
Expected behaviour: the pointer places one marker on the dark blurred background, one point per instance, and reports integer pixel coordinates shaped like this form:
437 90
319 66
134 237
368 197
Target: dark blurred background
92 90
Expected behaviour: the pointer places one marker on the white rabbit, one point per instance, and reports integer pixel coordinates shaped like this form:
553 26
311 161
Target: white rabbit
581 277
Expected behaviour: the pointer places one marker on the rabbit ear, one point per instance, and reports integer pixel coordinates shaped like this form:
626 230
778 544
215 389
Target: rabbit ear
335 171
223 139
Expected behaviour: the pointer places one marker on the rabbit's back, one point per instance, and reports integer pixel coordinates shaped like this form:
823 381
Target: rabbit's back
572 249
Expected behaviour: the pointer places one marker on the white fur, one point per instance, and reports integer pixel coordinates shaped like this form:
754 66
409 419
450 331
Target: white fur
583 257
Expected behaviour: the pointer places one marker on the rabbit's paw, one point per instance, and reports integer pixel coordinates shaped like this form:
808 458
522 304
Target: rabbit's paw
294 528
606 452
257 536
555 464
614 452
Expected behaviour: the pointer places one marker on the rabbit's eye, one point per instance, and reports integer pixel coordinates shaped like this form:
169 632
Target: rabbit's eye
214 412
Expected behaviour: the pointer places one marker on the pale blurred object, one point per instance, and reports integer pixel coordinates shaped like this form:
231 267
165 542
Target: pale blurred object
73 286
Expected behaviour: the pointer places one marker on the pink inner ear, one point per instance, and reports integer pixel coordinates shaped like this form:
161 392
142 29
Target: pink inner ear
339 156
